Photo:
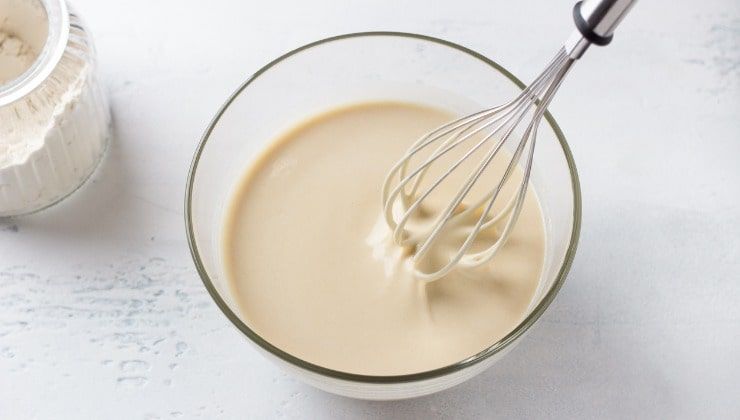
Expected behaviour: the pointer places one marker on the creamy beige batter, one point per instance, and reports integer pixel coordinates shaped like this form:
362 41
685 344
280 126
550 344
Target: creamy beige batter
315 274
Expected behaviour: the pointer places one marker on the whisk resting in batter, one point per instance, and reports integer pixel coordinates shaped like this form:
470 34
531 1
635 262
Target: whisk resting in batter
404 192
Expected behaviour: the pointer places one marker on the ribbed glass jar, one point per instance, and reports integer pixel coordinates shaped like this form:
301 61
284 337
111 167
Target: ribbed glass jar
55 119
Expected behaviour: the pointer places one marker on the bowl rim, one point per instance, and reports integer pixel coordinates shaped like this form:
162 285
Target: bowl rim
496 347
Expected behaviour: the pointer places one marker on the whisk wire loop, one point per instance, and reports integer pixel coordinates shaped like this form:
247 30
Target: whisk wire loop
401 196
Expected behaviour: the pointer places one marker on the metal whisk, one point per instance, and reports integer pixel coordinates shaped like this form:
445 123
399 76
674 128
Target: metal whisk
595 22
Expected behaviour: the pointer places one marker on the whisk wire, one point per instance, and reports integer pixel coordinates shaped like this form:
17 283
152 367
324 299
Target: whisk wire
468 125
493 121
486 255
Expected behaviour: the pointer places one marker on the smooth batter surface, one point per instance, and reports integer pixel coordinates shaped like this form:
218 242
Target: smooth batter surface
314 273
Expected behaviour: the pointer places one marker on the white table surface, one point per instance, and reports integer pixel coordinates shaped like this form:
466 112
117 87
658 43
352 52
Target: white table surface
103 316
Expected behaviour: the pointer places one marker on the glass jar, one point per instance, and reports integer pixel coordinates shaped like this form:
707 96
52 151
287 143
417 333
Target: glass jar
54 116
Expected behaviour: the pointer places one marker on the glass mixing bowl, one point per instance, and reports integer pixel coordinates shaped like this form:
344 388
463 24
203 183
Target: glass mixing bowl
362 67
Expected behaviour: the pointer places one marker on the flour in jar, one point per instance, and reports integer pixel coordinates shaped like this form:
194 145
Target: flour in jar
16 56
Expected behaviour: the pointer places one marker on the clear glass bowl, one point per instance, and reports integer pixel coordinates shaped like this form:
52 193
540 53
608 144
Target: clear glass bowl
361 67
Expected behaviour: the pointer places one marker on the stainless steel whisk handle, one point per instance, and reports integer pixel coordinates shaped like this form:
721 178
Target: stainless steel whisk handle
595 23
597 19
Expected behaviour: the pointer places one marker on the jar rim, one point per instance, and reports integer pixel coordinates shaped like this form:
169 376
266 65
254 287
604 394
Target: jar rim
57 21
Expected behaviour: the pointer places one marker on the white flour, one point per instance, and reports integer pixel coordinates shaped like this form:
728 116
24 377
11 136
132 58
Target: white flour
18 136
16 56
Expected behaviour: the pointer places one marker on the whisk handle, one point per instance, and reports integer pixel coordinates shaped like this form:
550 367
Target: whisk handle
597 19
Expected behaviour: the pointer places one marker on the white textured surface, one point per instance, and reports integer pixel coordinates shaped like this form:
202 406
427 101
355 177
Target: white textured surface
103 316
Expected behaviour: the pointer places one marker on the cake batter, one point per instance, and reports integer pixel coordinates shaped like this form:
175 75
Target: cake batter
315 273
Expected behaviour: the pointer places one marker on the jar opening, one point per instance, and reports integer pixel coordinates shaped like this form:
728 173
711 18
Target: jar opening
33 35
23 32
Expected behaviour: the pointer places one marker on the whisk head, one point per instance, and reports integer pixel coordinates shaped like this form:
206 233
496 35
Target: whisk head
485 134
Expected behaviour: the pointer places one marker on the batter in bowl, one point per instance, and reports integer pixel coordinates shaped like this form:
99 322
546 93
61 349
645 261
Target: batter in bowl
314 272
